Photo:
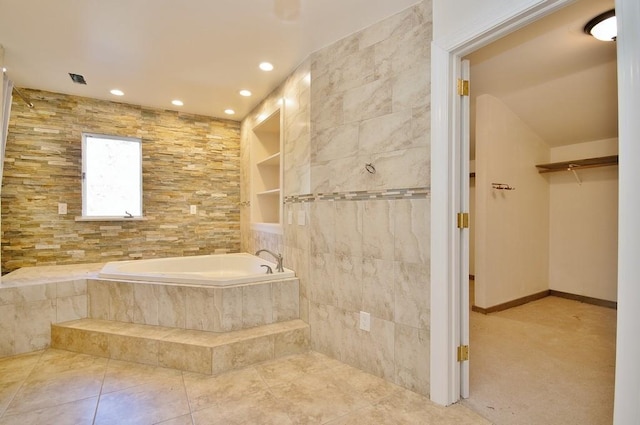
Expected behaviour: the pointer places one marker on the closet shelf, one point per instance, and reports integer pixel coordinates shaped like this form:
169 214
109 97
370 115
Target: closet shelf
578 164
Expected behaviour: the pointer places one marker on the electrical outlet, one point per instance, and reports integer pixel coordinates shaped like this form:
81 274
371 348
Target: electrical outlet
193 209
62 208
365 321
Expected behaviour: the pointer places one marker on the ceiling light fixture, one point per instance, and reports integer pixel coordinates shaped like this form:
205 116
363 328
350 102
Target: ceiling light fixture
229 111
245 93
603 27
177 102
266 66
117 92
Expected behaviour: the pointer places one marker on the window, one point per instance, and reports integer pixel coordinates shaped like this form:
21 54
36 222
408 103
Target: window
111 176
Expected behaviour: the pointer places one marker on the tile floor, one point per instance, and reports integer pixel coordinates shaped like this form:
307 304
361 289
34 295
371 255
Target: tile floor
60 387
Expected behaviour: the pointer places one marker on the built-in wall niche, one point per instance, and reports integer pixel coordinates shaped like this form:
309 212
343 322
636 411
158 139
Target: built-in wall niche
266 174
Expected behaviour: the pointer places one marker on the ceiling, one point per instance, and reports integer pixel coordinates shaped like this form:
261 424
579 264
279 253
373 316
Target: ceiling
558 80
202 52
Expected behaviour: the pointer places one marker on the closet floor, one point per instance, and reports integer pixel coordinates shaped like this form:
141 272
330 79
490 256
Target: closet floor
551 361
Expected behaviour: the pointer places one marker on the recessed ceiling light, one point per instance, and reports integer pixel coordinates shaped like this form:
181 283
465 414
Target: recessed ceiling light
117 92
266 66
229 111
177 102
245 93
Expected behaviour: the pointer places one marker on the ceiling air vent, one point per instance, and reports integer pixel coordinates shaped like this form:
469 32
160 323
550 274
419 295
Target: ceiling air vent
77 78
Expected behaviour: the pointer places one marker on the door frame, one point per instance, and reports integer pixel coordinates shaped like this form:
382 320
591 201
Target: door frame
448 324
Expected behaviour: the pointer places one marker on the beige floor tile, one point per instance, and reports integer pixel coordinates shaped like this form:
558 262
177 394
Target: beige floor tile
79 412
59 377
121 375
18 367
315 399
260 408
207 391
286 369
180 420
370 387
144 404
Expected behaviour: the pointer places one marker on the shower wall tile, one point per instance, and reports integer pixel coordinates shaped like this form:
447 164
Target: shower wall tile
412 231
378 292
286 300
323 227
335 143
412 298
349 228
347 283
187 160
389 132
412 351
378 230
323 276
368 101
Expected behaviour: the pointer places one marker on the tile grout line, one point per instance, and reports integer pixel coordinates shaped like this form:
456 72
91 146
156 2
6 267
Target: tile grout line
24 380
186 393
104 376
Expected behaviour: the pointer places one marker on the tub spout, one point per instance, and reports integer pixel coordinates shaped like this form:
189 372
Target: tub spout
278 258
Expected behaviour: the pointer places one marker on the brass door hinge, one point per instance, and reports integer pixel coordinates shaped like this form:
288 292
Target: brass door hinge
463 220
463 87
463 353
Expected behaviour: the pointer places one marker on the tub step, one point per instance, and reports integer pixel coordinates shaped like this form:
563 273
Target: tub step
196 351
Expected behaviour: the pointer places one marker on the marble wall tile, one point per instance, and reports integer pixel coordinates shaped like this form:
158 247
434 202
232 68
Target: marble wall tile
98 294
322 222
323 272
241 354
403 168
378 296
335 143
7 329
354 70
257 308
7 296
330 112
326 329
347 283
29 293
369 351
228 309
71 288
387 28
348 228
323 59
411 87
412 294
412 353
387 133
200 307
421 125
412 231
33 325
367 101
401 51
71 308
171 306
285 300
304 309
145 304
120 301
378 230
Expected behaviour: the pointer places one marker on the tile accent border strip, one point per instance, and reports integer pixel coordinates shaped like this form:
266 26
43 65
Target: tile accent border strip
361 195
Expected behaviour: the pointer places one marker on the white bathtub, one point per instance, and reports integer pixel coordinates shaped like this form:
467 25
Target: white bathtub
210 270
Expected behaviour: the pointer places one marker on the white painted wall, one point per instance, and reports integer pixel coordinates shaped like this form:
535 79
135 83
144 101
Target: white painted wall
583 226
512 227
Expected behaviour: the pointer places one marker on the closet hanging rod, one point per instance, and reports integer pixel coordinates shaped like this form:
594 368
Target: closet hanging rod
24 98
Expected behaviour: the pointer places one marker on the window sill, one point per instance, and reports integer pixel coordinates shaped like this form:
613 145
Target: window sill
115 218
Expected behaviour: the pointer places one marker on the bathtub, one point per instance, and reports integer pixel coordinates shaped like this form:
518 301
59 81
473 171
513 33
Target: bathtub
210 270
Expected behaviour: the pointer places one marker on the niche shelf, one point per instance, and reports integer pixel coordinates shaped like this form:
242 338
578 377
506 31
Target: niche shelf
266 175
578 164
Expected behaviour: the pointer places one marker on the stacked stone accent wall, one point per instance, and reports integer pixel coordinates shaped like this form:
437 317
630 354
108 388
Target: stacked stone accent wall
187 160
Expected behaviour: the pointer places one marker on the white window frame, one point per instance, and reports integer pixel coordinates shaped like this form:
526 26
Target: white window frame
85 217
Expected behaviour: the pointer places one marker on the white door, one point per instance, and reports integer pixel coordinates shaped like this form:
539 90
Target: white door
463 281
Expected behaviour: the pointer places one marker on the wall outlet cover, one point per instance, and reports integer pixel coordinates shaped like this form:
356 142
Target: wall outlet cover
193 209
62 208
365 321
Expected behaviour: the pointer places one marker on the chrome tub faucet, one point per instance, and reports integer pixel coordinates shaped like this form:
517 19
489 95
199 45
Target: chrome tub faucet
278 258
